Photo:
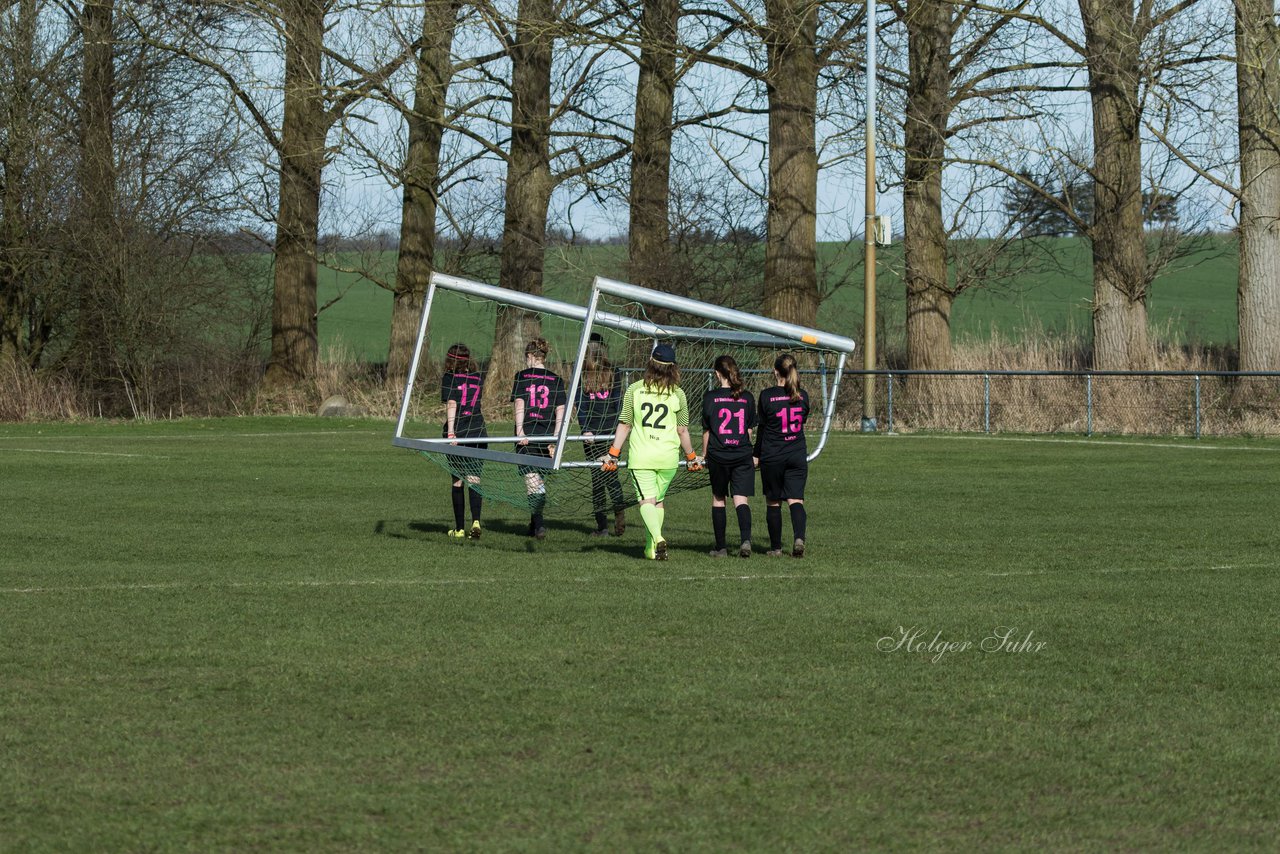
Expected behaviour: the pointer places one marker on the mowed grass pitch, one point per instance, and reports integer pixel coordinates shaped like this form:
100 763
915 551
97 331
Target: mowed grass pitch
254 635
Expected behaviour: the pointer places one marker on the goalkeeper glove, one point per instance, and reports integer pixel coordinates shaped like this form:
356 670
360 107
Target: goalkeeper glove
609 462
695 462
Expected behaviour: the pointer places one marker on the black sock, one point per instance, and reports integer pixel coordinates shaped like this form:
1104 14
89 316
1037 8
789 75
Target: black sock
773 519
477 502
798 519
718 517
744 522
459 508
602 522
535 522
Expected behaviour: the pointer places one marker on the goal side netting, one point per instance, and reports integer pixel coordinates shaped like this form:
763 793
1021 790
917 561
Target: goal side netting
596 350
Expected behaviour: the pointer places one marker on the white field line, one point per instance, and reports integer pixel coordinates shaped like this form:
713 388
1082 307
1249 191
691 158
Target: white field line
444 582
188 436
1095 443
83 453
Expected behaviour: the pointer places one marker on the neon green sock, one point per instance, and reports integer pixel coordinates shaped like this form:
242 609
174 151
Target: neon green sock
652 516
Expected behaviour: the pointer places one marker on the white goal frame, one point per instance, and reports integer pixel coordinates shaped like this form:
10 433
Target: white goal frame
753 330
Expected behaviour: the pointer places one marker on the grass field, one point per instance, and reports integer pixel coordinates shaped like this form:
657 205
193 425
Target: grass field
1195 302
245 635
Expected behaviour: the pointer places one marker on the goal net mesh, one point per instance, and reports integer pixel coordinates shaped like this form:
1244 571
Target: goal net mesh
495 325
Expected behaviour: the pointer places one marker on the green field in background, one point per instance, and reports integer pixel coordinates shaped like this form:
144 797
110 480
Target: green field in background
253 634
1195 302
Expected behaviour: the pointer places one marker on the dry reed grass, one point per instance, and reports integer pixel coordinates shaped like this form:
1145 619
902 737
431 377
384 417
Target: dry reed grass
1148 405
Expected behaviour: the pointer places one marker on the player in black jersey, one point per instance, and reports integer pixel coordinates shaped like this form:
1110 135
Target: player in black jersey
783 455
599 403
539 397
460 388
728 417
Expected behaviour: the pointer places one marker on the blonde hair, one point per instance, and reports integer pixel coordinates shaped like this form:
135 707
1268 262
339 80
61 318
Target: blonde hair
785 367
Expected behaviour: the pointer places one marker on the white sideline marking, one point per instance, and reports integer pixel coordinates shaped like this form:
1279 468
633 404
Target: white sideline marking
384 582
83 453
211 435
193 585
1096 443
443 582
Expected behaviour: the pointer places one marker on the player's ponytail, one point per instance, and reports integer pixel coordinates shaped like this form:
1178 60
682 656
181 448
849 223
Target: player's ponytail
728 368
785 368
537 347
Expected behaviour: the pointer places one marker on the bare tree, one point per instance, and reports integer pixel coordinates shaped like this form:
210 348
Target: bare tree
321 84
1258 96
967 71
100 266
649 236
421 175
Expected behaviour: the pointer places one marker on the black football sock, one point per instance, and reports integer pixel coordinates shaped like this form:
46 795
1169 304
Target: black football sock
744 521
602 522
773 519
798 519
459 508
477 503
718 517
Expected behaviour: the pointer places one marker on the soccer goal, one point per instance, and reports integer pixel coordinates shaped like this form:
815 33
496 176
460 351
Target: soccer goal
595 351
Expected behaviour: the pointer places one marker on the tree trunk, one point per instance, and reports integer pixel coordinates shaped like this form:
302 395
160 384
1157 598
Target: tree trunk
16 162
791 250
930 29
100 270
1120 270
650 229
1258 92
528 192
421 175
294 347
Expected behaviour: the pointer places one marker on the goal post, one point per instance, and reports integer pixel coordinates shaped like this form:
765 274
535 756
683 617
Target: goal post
727 326
612 334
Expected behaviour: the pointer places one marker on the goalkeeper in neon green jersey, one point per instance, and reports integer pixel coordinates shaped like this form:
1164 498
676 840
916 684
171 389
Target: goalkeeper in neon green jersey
654 425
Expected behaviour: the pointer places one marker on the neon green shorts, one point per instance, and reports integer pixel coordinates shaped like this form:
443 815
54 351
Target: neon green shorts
651 483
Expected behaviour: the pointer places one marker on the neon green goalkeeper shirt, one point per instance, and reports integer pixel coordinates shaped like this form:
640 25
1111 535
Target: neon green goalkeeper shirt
654 417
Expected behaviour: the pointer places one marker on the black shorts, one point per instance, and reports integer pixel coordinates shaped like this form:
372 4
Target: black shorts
784 478
539 449
734 478
465 466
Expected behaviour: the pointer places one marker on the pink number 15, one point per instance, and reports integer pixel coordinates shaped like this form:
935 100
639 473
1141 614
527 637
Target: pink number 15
791 419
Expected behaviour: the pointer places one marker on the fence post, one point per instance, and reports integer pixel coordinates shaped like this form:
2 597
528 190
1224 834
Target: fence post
890 401
986 403
1197 406
1088 392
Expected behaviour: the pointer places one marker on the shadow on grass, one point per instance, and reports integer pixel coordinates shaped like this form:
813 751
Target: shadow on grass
513 536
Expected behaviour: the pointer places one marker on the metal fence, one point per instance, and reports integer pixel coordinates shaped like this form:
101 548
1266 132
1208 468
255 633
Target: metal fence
1165 403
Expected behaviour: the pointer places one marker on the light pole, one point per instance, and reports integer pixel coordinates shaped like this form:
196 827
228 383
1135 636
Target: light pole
869 255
